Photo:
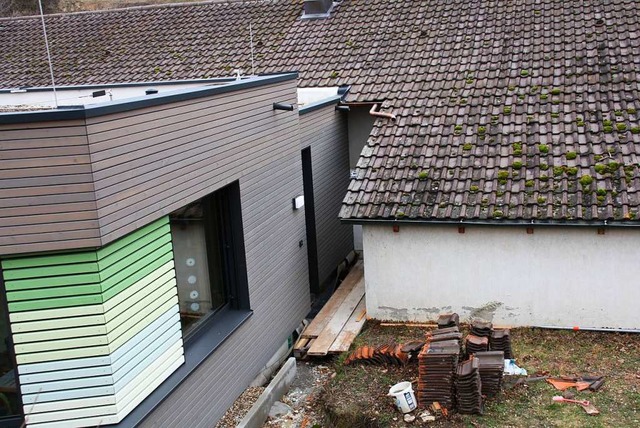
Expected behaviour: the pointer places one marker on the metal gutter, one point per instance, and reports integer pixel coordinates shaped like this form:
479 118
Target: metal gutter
84 112
471 222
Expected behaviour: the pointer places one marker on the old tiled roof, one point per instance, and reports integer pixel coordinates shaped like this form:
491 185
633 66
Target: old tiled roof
521 111
506 110
370 46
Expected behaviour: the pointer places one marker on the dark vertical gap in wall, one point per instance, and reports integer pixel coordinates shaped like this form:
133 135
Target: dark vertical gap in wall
310 220
12 421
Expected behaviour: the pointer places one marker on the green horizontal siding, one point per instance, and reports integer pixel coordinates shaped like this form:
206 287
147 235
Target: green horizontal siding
111 248
20 262
139 269
54 281
49 271
155 239
88 277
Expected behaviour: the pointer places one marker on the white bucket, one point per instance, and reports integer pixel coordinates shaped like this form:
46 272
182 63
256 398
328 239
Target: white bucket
405 399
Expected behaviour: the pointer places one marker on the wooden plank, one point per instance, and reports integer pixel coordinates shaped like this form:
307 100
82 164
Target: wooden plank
51 293
119 338
154 331
69 404
69 364
48 260
159 276
67 416
323 342
62 333
54 345
56 324
61 385
67 395
69 268
75 373
49 314
351 329
324 316
60 302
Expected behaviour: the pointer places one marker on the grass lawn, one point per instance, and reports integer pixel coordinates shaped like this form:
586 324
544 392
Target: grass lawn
356 396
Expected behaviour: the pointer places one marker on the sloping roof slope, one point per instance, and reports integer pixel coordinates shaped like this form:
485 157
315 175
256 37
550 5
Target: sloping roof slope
374 46
521 110
526 111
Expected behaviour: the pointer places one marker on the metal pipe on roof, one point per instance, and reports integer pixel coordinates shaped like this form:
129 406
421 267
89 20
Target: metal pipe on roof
374 112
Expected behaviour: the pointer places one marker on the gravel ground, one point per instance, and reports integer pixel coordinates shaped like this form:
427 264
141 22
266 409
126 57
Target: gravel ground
240 408
302 397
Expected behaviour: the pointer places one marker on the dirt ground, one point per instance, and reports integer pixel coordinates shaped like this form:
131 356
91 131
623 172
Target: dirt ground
327 394
356 396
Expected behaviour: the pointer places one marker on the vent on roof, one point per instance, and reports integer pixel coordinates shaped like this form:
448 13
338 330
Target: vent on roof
317 9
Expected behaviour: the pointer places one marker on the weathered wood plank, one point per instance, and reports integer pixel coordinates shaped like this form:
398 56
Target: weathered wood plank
328 310
351 329
337 322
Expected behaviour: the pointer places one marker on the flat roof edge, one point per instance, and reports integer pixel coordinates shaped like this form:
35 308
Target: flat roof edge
84 112
319 104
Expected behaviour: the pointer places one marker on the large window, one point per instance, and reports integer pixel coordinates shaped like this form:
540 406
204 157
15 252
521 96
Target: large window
209 256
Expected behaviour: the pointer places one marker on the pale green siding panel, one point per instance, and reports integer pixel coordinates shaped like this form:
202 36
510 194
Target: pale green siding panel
34 305
56 313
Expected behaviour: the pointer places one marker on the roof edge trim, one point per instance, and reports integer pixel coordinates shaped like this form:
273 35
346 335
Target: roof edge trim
139 102
498 223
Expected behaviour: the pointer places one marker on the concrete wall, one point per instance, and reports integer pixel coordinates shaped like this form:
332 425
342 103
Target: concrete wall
556 276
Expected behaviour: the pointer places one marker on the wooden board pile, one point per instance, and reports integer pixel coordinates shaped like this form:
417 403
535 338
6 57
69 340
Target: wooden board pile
340 320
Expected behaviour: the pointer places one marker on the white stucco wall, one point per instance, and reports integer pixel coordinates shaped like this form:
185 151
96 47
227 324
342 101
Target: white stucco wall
556 276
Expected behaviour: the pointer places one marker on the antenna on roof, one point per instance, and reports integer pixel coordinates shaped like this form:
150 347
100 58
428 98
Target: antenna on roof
253 71
46 43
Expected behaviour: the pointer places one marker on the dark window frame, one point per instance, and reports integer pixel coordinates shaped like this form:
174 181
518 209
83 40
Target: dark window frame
219 325
13 421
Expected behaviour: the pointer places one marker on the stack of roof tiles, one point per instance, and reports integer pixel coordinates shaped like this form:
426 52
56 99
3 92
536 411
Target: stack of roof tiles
501 341
448 320
491 368
468 388
437 365
481 328
473 344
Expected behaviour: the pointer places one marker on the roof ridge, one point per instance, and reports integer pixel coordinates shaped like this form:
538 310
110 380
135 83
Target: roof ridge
149 6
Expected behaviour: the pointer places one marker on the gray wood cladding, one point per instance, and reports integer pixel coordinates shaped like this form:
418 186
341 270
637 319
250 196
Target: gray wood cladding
46 188
118 172
325 130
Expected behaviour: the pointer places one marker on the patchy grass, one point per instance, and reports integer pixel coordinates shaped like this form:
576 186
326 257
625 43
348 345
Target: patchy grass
356 396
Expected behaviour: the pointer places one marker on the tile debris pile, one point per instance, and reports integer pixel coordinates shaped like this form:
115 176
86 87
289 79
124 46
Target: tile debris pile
390 353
